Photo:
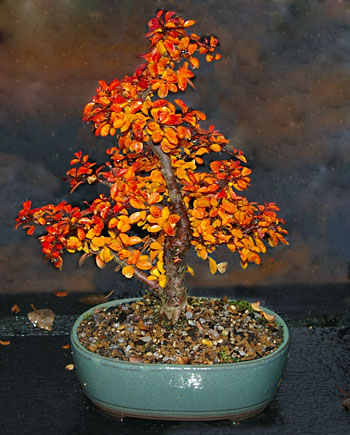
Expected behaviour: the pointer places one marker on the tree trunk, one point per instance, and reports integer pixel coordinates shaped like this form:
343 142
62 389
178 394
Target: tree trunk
174 297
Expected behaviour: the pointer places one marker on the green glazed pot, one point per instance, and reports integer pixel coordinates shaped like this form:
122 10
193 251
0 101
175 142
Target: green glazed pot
234 391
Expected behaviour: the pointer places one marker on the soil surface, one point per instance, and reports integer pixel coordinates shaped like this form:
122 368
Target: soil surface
210 331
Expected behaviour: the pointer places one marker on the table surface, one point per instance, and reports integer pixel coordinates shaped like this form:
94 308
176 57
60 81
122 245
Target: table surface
39 396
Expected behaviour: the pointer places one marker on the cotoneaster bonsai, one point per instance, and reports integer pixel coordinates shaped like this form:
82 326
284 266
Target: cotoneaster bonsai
171 184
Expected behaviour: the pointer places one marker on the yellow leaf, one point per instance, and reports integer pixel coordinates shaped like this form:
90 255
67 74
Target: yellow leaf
99 241
237 233
105 130
246 171
162 280
90 234
106 255
128 271
136 203
190 270
156 246
244 264
207 342
215 147
212 265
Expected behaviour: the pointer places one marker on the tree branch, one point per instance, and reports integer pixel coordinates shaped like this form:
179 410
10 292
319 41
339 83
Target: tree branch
153 285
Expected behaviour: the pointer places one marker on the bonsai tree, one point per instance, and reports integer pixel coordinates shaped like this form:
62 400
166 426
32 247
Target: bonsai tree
171 184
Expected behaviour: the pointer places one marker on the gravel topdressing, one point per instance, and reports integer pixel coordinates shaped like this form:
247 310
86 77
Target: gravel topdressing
210 331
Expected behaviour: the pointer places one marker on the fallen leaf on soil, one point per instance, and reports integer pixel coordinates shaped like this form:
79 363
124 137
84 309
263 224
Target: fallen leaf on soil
346 404
268 317
5 343
61 294
142 326
96 299
256 306
181 360
207 342
15 309
136 359
43 318
66 346
70 367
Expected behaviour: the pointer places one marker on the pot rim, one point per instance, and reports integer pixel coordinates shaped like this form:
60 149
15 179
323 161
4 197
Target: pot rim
162 366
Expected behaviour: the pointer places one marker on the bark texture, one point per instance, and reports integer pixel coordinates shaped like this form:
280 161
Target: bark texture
174 296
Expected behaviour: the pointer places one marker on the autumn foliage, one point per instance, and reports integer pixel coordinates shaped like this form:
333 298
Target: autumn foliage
162 194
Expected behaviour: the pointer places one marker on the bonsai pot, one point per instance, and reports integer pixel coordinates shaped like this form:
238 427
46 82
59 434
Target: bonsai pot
234 391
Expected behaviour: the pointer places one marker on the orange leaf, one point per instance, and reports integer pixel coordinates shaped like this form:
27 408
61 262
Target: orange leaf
242 158
168 229
136 203
66 346
62 294
133 240
5 343
268 317
81 234
183 132
113 223
154 197
173 218
30 230
203 202
99 241
194 62
189 23
246 171
135 217
229 207
125 239
15 309
171 135
128 271
237 233
144 265
155 211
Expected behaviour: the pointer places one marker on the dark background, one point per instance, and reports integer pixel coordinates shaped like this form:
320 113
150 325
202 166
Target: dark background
281 93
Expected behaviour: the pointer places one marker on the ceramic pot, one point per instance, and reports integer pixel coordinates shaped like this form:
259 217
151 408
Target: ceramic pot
234 391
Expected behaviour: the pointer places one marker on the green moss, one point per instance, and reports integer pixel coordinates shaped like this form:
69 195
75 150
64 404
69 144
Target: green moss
242 305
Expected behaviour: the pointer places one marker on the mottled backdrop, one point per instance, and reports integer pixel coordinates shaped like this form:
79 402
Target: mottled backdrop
281 93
